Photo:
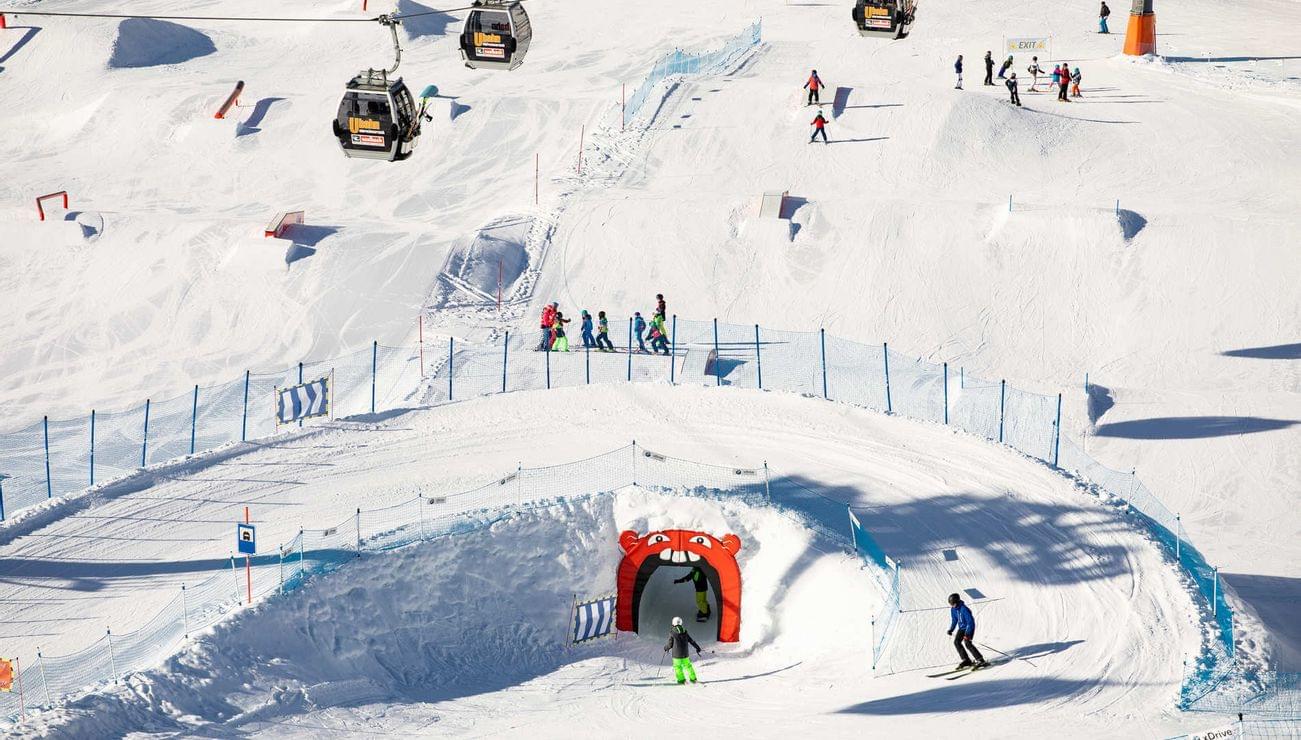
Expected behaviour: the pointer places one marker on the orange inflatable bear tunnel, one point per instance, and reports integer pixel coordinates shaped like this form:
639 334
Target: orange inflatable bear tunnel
642 554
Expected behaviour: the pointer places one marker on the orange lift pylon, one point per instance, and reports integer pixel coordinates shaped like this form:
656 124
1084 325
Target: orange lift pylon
1140 37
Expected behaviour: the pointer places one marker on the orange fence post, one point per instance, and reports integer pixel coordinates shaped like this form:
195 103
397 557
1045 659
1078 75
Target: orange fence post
231 99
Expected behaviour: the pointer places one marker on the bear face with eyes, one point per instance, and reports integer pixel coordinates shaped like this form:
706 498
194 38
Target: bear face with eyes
680 547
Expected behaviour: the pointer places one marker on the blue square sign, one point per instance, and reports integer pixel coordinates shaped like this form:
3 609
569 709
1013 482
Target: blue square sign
246 539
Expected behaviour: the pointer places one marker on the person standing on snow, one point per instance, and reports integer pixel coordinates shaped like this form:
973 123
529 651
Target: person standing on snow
1007 64
965 623
661 308
639 326
548 321
1011 87
989 68
679 638
1075 83
561 343
957 68
1034 69
1057 77
819 125
813 85
603 342
1064 83
1102 18
658 335
697 578
588 341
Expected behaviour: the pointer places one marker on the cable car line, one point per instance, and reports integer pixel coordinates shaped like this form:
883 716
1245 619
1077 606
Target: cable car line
64 14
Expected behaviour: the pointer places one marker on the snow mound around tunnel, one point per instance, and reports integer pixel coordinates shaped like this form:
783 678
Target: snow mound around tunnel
464 616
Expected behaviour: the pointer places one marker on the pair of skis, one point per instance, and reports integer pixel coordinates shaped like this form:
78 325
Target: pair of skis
957 673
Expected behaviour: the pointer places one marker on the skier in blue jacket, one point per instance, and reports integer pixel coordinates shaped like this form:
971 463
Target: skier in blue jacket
588 340
965 624
639 326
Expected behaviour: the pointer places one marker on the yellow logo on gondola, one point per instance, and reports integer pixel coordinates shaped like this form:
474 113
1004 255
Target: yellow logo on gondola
486 38
362 124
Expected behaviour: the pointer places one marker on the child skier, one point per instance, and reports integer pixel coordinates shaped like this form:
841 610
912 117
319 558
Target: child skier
603 342
1007 64
813 85
658 335
989 68
819 127
965 623
1011 87
661 308
957 68
679 638
1034 69
588 341
548 320
639 326
697 578
1075 83
1056 78
561 343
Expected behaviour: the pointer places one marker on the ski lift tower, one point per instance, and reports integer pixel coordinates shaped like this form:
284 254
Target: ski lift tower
1140 36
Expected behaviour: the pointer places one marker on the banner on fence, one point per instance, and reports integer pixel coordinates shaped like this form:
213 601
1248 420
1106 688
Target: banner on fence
303 401
593 619
1035 45
1223 732
6 675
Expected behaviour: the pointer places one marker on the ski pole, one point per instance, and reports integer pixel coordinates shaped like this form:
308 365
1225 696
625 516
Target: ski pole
1005 655
660 670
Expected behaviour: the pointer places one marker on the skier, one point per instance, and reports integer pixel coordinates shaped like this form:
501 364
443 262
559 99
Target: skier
957 67
989 68
603 342
813 85
1007 64
678 641
965 623
658 335
1102 18
639 326
1011 87
1034 69
588 341
1056 78
548 320
1075 83
819 127
1064 83
561 342
661 308
697 578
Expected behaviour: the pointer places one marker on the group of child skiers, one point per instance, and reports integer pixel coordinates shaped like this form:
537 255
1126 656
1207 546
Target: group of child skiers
1063 77
554 338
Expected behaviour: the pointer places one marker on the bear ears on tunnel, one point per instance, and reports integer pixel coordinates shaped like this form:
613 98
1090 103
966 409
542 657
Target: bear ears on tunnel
679 540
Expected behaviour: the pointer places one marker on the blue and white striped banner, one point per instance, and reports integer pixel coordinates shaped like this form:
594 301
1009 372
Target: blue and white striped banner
593 619
303 401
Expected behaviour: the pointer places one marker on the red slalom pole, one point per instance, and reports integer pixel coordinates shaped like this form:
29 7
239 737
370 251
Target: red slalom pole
537 169
248 564
581 131
420 320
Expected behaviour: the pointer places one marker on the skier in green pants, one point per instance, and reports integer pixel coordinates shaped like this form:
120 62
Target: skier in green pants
678 640
697 578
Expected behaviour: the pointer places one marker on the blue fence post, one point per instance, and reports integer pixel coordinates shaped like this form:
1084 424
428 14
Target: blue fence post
547 353
758 357
629 349
673 353
194 418
946 393
822 337
49 488
144 444
962 377
300 382
451 346
1057 438
885 351
2 498
505 360
1002 404
243 421
374 371
92 447
718 361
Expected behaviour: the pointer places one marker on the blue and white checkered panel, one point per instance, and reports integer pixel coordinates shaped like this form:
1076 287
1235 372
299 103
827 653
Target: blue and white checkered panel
303 401
593 619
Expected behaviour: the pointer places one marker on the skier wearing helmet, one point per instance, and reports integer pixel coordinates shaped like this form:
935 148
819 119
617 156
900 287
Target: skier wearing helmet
965 623
679 638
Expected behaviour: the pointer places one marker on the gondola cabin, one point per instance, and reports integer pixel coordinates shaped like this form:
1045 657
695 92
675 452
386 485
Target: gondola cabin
890 18
377 118
496 35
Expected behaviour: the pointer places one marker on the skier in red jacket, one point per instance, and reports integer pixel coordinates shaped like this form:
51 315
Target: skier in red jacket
819 127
